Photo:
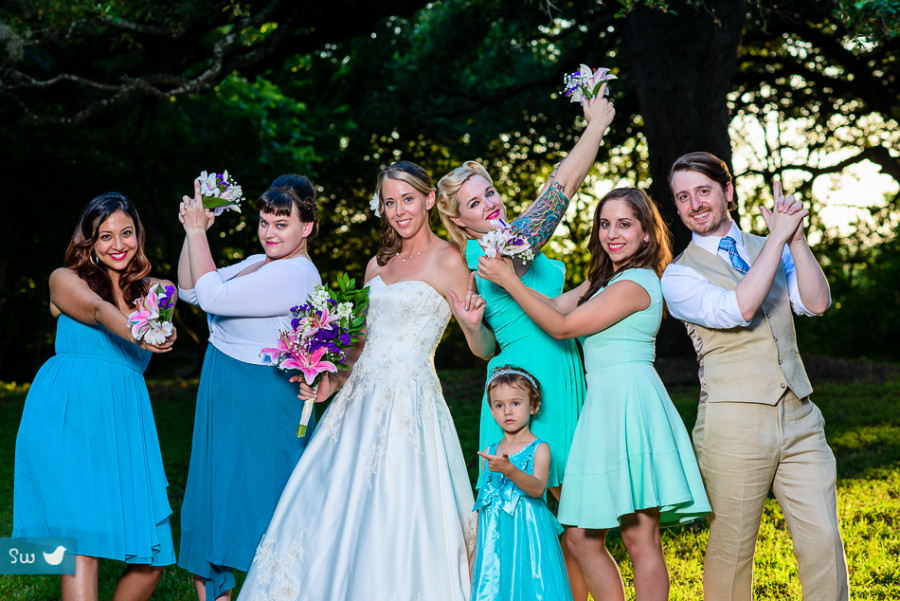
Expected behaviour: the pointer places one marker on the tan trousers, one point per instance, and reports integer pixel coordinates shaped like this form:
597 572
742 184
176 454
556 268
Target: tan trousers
746 449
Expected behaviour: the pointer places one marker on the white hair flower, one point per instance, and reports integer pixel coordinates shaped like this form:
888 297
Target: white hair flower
373 204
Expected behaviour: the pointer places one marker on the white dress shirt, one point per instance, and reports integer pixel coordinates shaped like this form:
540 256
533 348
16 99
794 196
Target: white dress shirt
691 297
245 314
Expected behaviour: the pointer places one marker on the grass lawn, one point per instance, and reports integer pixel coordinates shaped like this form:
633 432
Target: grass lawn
863 428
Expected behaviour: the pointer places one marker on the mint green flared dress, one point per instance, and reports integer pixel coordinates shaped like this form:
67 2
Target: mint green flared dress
631 450
555 363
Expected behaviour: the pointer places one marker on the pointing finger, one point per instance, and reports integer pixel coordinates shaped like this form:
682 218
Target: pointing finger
453 297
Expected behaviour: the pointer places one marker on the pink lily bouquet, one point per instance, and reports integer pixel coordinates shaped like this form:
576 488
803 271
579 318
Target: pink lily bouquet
152 320
584 84
506 241
321 330
220 192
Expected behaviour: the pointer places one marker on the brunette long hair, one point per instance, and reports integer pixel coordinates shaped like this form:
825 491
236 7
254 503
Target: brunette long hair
390 242
656 253
81 258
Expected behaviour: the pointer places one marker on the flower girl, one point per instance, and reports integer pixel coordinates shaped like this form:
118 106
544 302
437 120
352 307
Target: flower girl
517 554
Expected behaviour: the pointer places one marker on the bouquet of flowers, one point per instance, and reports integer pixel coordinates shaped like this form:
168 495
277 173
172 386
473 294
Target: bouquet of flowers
220 192
322 329
152 320
584 84
506 241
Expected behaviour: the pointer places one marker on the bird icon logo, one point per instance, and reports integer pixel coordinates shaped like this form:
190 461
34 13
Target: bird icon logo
55 558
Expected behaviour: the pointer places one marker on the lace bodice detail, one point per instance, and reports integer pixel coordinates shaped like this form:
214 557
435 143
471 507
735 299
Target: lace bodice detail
404 323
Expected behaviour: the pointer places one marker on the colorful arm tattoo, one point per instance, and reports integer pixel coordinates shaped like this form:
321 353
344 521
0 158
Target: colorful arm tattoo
540 220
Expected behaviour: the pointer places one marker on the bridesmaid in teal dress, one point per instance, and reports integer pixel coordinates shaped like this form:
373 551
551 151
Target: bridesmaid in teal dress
631 464
88 464
469 205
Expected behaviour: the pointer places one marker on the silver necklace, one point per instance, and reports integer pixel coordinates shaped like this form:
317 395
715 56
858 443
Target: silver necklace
413 256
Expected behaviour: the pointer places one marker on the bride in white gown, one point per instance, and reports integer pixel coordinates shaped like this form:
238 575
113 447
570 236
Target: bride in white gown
380 505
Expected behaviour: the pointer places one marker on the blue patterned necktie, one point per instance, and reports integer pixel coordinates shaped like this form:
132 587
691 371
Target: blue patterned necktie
730 246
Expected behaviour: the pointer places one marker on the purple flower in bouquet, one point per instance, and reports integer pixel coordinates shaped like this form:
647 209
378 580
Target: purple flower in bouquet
584 84
315 320
220 192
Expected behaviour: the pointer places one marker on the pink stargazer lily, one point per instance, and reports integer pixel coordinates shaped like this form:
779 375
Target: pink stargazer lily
291 353
274 354
147 309
319 320
311 364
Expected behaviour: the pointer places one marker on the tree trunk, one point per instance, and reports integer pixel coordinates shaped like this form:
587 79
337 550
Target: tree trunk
684 110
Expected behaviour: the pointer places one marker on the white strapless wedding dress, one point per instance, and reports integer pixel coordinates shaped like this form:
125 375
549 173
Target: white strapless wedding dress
380 506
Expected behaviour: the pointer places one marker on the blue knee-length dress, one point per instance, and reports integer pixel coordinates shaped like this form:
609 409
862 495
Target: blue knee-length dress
88 464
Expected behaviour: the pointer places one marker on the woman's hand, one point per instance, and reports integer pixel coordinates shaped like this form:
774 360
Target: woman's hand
165 347
499 270
192 214
469 311
598 110
326 387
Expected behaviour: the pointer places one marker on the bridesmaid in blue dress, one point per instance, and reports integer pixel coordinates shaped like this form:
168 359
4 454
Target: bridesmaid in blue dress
631 464
88 464
517 554
244 445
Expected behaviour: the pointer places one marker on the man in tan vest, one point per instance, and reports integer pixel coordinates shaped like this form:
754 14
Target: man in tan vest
756 428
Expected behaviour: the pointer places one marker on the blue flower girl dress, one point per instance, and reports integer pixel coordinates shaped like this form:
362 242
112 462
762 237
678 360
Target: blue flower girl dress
517 555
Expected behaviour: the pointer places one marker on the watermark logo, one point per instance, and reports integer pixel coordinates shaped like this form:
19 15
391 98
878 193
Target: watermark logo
37 555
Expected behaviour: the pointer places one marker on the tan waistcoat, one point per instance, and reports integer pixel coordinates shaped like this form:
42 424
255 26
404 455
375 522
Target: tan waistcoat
756 363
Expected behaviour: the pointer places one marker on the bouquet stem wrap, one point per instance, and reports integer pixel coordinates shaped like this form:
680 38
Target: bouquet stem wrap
308 405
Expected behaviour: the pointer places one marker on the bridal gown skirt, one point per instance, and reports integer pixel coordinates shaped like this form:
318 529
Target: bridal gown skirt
380 505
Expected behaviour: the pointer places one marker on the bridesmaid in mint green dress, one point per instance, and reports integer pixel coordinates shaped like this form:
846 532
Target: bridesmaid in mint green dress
631 464
469 206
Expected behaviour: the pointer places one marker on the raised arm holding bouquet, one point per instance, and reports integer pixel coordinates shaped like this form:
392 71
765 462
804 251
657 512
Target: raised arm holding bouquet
471 208
243 447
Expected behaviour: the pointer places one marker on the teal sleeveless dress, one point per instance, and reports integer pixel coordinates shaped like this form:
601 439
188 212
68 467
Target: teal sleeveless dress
631 449
555 363
88 464
517 554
